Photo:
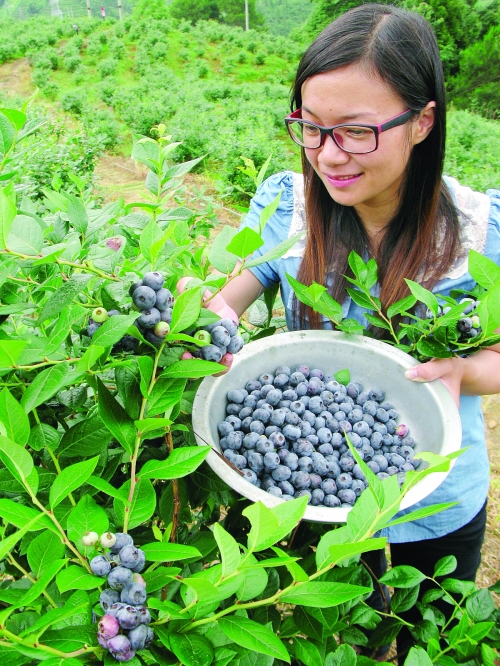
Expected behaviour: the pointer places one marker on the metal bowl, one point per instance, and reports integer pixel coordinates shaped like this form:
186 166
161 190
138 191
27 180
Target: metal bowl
426 408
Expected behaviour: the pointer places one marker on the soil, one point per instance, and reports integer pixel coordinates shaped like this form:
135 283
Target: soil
15 78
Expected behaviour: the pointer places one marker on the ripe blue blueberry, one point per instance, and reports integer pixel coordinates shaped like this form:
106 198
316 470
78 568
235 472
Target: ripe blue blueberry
316 480
166 315
324 435
305 428
138 637
212 353
381 461
329 487
302 493
108 598
255 461
164 299
134 286
303 447
373 466
274 397
376 394
280 380
220 337
291 460
253 385
357 486
300 480
275 491
321 466
290 394
250 475
317 497
233 409
297 378
291 432
100 565
358 473
134 594
129 556
316 405
266 378
144 298
264 446
305 464
154 280
331 501
392 469
281 473
344 480
278 439
128 617
271 460
258 427
119 646
301 390
92 328
347 496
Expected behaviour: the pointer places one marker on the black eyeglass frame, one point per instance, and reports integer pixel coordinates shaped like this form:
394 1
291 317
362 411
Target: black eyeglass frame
296 116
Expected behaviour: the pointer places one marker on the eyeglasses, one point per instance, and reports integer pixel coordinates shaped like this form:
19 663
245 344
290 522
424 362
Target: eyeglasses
355 138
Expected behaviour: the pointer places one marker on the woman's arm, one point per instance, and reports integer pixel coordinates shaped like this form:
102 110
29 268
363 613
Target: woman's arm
478 374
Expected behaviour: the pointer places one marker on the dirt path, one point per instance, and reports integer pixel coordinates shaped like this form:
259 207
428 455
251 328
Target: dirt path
15 78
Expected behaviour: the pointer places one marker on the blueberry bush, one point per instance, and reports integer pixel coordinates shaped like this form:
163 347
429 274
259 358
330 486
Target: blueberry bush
117 542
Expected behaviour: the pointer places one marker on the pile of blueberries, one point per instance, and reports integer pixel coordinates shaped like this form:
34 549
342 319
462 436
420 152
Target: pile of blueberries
155 303
123 629
469 326
286 433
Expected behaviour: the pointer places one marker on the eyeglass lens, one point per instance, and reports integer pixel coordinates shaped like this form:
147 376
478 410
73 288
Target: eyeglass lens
350 138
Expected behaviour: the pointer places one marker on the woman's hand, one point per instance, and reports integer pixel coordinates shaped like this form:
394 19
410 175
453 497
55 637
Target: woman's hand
449 370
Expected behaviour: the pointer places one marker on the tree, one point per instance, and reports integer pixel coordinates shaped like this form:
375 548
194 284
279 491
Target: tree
233 13
195 10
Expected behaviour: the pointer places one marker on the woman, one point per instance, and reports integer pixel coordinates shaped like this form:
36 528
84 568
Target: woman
379 190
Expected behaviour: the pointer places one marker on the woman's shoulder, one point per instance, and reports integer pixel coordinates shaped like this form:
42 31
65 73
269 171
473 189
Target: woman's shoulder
479 219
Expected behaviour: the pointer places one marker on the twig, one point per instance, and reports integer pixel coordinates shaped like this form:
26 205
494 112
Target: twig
380 586
175 492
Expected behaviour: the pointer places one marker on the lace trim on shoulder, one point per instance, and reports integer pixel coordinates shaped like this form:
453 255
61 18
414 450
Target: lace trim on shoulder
473 214
298 223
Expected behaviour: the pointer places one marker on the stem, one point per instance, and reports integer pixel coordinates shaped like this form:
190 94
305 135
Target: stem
63 262
58 470
380 586
175 493
46 648
44 363
29 577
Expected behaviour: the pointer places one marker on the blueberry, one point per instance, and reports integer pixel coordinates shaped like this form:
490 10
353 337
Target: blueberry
255 461
376 440
253 385
166 315
249 475
316 480
464 325
352 390
291 460
297 378
397 460
301 390
373 466
316 373
275 491
262 414
303 447
134 286
212 353
313 439
129 557
357 486
258 427
368 451
347 496
309 417
305 428
316 405
358 473
391 426
283 370
346 463
138 637
345 426
278 439
305 464
108 626
340 416
234 440
128 617
108 598
164 299
154 280
329 487
233 409
239 461
406 467
92 328
250 401
380 427
315 387
334 385
303 369
376 394
220 337
325 449
134 594
344 480
224 428
230 326
266 378
381 461
317 497
381 415
144 297
300 480
274 397
297 407
100 565
290 394
245 413
291 432
119 645
327 398
302 493
129 344
280 380
271 460
331 501
281 473
362 398
321 466
264 446
368 418
355 415
324 435
286 488
336 440
236 395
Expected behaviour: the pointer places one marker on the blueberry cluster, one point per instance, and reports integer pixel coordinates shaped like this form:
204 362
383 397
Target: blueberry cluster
123 629
469 326
222 338
286 433
155 304
99 316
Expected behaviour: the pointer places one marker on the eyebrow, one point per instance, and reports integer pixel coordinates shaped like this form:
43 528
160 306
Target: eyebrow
352 116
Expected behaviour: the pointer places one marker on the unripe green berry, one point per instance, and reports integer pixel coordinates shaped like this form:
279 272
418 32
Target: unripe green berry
108 540
475 321
99 315
161 329
204 336
90 539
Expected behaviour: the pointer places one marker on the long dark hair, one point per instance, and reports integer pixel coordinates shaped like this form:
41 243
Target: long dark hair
422 239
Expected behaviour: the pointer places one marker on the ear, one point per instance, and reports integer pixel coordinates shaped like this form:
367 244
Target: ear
424 123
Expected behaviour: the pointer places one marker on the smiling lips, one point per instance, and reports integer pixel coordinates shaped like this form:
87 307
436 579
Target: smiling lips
343 181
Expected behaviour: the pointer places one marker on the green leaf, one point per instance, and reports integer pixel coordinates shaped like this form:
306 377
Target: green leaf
444 566
16 459
423 295
309 625
10 351
77 214
37 588
192 369
377 321
480 605
70 479
245 243
51 617
151 241
343 377
296 571
87 438
186 310
14 418
8 543
192 649
229 550
404 598
270 525
362 299
418 657
276 252
483 270
43 551
160 577
86 516
146 365
403 305
90 358
433 348
325 305
306 652
489 656
421 513
358 266
268 211
403 576
19 515
222 260
142 506
166 393
179 463
25 236
254 636
344 655
77 578
8 213
168 552
340 552
107 488
113 330
44 386
323 594
7 134
63 296
116 419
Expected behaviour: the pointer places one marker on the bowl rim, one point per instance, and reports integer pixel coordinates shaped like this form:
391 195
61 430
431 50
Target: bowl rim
442 397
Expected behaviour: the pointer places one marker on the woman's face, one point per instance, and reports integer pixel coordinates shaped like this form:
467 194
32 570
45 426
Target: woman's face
369 182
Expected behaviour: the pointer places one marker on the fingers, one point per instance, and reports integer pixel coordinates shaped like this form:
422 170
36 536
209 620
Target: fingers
427 372
226 360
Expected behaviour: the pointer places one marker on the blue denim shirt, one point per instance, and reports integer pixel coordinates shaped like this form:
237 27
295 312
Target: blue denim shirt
468 481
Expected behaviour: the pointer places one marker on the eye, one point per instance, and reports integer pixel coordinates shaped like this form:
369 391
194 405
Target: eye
311 130
358 132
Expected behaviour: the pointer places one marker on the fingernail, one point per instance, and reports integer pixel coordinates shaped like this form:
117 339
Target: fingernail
411 373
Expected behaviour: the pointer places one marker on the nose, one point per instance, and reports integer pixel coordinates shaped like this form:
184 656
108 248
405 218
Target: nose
329 153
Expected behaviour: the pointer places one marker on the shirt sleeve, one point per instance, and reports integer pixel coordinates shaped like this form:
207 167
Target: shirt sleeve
492 248
278 226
